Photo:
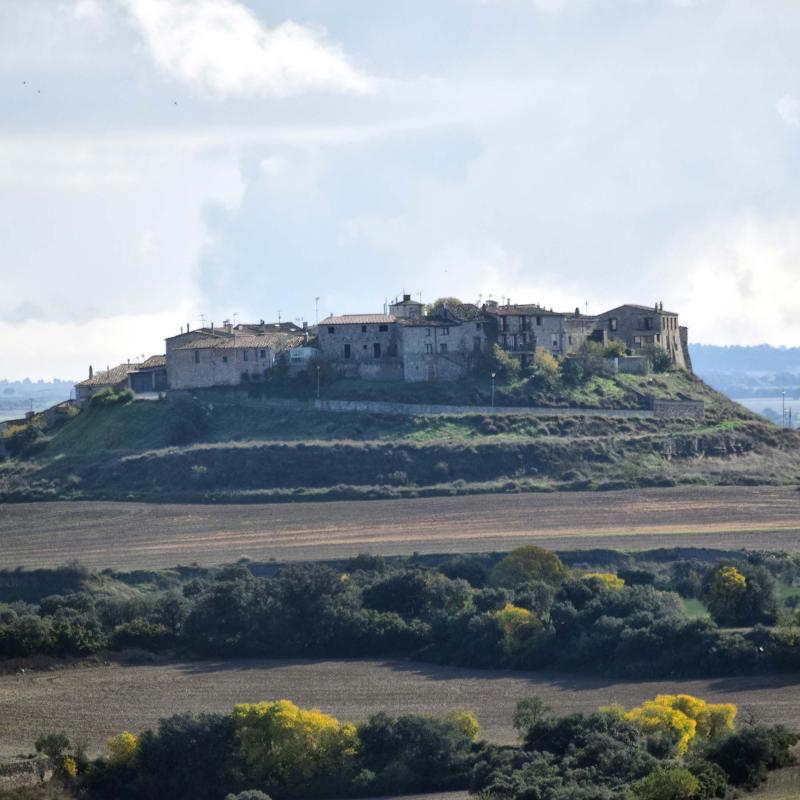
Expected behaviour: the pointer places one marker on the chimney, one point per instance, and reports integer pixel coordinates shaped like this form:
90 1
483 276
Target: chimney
91 372
187 327
181 330
406 298
212 326
577 311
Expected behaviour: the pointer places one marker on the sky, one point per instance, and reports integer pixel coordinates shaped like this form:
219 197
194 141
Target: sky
173 162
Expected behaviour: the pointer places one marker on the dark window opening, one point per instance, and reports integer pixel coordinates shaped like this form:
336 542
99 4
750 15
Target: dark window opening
245 355
363 329
224 359
612 324
196 356
383 328
443 347
331 329
376 349
263 354
347 352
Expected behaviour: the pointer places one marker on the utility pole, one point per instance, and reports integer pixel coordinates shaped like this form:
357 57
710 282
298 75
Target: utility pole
783 409
316 310
318 371
493 376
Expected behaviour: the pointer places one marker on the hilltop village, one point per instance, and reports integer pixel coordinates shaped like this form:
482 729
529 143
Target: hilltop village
407 342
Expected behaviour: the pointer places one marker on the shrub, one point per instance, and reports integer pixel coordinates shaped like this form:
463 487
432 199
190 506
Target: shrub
122 748
108 397
739 595
187 420
675 783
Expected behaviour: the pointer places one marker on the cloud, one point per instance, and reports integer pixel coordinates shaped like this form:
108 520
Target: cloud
741 282
788 109
220 47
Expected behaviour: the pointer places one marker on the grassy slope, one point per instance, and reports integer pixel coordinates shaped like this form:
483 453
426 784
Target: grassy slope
124 451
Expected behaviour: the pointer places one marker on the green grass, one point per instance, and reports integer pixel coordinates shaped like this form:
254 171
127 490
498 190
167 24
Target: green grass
783 784
695 608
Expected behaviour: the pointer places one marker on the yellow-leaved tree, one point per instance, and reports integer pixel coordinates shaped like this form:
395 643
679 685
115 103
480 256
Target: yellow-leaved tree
607 579
466 722
528 563
518 626
291 745
122 748
671 722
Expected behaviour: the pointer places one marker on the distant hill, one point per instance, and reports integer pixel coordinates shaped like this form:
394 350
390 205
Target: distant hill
17 397
739 358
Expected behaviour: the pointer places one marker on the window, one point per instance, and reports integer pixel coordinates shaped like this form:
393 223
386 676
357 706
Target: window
331 329
263 354
648 323
383 328
445 331
523 323
427 331
555 340
637 341
612 324
245 355
347 352
428 347
363 329
196 356
569 339
539 321
224 359
443 347
478 326
376 350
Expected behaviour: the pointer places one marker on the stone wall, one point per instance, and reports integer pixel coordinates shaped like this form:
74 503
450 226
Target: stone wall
694 409
214 366
439 352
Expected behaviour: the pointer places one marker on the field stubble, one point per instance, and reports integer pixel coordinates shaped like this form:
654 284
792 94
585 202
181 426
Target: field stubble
148 536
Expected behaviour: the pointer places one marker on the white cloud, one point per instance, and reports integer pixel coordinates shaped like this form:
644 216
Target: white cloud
741 282
221 48
788 109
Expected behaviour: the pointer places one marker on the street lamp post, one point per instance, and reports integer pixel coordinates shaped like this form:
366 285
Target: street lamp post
318 369
493 376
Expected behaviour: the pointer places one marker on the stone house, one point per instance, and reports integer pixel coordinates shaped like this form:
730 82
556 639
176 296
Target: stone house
226 359
115 378
362 345
442 346
521 329
642 327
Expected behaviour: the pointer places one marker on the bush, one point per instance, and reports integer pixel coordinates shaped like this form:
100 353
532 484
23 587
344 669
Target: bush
675 783
739 595
21 438
526 564
747 755
109 397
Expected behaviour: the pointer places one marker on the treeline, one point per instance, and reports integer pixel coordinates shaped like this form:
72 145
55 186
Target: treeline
673 747
527 610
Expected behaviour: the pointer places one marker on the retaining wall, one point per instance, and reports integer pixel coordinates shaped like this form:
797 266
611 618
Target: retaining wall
659 408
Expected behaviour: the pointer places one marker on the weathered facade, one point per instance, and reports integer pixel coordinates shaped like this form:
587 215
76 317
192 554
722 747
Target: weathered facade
226 360
362 345
642 327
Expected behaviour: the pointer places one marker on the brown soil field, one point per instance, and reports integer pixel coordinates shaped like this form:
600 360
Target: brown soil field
140 535
98 701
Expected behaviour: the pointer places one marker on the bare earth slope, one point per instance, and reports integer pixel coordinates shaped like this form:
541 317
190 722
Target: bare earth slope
100 701
139 535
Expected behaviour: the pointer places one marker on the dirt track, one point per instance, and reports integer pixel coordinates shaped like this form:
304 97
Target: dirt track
101 701
134 535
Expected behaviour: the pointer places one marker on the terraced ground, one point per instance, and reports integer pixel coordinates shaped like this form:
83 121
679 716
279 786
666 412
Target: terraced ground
98 701
139 535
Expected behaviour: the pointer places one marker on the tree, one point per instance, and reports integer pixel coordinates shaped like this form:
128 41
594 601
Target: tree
528 712
496 360
438 305
122 748
53 745
518 626
675 783
291 747
529 563
743 594
547 374
605 579
465 722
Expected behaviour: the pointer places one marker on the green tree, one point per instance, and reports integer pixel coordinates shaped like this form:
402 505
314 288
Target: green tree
528 712
528 563
675 783
437 305
739 595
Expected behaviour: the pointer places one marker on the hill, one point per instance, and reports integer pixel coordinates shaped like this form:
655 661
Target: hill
235 446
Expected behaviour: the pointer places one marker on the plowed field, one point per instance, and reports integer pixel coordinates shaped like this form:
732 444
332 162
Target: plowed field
139 535
100 701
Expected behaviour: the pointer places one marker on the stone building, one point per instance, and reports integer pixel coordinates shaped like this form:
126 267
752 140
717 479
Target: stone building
442 346
150 376
115 378
362 345
521 329
642 327
226 360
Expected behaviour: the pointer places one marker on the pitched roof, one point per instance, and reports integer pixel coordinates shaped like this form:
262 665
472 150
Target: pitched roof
360 319
267 327
529 309
651 309
276 341
110 377
152 363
